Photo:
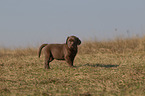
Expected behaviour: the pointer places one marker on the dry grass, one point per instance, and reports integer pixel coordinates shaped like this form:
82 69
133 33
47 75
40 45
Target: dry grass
18 52
119 45
103 68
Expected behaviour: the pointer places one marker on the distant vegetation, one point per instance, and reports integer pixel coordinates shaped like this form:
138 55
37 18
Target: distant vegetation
118 45
103 68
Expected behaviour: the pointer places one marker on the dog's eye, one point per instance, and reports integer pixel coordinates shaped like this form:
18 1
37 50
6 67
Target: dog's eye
71 40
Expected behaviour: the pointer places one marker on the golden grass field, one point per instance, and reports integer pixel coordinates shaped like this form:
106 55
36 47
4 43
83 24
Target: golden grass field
103 68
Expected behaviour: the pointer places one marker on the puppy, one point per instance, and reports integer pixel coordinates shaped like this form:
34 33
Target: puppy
65 51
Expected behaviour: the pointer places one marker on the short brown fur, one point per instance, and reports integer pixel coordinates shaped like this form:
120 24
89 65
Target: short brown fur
65 51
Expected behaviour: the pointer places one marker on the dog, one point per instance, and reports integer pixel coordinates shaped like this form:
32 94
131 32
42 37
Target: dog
65 51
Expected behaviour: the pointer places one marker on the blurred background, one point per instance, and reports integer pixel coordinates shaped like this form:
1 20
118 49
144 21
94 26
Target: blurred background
33 22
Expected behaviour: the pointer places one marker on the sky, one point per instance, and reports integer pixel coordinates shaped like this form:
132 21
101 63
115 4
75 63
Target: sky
33 22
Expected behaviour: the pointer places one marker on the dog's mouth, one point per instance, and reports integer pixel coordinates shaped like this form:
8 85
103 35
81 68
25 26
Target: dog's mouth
72 47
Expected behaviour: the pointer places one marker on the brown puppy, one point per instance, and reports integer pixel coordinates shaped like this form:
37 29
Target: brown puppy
65 52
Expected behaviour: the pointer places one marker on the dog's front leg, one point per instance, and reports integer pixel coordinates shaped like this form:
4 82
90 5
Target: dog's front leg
69 61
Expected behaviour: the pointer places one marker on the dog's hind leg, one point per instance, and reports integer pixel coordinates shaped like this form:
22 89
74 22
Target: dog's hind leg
46 65
48 59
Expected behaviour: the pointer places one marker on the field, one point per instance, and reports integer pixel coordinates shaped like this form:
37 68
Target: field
103 68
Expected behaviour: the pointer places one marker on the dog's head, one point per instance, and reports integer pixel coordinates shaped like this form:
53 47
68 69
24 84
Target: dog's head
72 42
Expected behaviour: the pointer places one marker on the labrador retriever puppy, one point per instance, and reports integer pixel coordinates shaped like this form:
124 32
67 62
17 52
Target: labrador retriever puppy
65 51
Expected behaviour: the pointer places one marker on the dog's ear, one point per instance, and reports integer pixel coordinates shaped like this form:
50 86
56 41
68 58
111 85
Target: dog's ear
67 39
78 41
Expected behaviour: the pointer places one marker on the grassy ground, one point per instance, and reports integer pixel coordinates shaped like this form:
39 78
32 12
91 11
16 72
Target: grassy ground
102 69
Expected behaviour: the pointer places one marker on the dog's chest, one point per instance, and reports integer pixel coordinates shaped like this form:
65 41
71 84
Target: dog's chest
72 54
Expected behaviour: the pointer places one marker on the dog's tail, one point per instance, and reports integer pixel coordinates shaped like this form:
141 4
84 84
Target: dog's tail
41 47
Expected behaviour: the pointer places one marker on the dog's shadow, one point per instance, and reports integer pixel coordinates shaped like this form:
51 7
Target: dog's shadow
100 65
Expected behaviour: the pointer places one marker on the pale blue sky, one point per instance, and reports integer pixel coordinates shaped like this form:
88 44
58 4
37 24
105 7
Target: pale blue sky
32 22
